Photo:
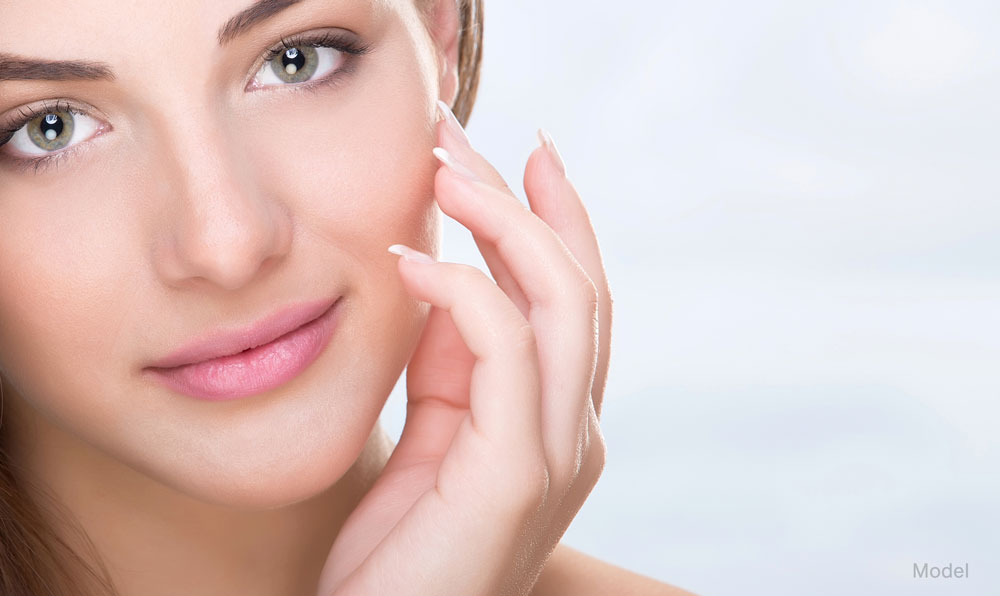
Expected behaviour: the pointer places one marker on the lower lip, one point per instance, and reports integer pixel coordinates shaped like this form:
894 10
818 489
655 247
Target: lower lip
254 371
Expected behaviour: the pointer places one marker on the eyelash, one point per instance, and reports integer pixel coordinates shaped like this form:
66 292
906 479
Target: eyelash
342 43
26 115
325 39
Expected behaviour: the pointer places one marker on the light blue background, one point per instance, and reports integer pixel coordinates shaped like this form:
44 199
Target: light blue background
799 212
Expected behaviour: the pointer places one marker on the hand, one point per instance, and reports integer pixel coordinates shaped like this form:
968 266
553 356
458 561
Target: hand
502 443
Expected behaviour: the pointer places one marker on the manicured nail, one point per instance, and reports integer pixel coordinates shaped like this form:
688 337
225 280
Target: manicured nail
413 256
453 164
546 141
454 126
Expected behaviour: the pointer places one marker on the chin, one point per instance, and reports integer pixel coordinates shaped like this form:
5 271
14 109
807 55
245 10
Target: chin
280 471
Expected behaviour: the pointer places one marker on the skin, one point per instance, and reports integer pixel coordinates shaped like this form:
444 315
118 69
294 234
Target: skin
203 205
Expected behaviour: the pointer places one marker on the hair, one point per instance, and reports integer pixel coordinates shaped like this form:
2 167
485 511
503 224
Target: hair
34 559
470 51
470 57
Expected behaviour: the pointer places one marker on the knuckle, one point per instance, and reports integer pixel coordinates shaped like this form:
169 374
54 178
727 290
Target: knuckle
609 301
590 291
597 448
587 295
523 337
517 333
531 484
469 274
578 297
599 451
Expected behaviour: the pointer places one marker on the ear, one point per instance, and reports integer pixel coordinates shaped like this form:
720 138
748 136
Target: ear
443 22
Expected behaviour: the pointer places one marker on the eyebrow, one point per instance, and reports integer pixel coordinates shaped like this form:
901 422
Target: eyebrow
17 68
20 68
249 17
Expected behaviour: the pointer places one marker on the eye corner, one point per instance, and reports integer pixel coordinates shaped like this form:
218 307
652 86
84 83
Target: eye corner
103 128
23 151
253 85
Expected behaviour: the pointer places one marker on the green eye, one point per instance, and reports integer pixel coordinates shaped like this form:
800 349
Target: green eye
295 65
306 58
51 131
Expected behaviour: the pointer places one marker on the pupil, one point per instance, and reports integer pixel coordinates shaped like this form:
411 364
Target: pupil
54 123
293 56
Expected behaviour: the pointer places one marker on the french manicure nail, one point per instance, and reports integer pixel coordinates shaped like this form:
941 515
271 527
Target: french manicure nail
453 164
413 256
546 141
454 126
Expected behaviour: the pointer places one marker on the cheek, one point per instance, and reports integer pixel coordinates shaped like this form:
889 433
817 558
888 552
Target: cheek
356 170
352 165
354 161
356 175
66 300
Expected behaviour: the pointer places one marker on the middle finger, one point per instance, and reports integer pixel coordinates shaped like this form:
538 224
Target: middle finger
562 302
452 137
553 198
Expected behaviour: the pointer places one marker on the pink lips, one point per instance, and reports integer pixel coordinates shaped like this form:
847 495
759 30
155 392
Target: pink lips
274 351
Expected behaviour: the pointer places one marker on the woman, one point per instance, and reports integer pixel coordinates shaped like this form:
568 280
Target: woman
200 324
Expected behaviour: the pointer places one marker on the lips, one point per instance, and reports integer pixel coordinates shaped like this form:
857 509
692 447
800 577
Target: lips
228 341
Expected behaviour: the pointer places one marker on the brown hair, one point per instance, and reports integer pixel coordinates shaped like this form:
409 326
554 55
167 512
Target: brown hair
470 51
34 558
470 56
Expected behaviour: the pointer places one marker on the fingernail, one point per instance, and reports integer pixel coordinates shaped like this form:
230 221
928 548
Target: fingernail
546 141
453 164
453 125
413 256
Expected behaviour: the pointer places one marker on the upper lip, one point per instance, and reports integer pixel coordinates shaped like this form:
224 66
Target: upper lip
226 341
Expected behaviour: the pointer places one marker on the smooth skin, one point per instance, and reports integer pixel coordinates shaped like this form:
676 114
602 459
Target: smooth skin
200 204
502 442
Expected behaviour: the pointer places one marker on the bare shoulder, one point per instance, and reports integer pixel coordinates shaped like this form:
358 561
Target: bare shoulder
572 572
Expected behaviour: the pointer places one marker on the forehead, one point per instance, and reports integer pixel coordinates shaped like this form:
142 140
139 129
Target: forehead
98 29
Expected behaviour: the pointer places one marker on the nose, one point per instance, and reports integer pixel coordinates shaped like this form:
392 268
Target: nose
220 226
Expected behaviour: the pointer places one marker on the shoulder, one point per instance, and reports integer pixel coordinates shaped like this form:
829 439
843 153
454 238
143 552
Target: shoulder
569 571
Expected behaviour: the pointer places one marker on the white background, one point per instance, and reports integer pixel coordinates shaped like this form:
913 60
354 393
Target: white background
798 208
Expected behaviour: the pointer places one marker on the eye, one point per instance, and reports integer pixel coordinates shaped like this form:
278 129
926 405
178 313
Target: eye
298 64
308 59
53 131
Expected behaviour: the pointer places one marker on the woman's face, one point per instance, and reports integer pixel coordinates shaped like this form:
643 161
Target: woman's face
199 191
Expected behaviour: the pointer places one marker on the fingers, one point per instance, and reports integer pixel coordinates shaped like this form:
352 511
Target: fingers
504 389
456 142
591 468
531 445
537 256
563 303
554 199
437 390
453 138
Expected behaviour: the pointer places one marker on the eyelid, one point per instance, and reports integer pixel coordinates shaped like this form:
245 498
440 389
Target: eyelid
342 40
15 119
23 164
27 113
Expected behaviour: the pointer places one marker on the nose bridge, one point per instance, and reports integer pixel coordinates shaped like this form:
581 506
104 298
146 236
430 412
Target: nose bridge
222 225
